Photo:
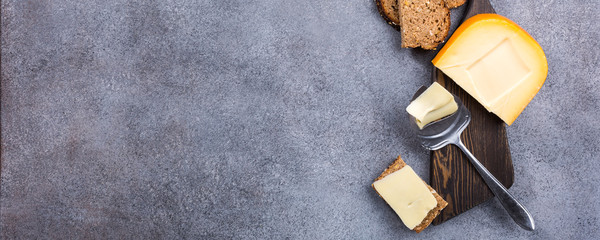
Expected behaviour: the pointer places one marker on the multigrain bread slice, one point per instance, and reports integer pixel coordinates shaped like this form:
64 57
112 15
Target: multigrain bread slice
454 3
427 21
441 203
424 23
388 9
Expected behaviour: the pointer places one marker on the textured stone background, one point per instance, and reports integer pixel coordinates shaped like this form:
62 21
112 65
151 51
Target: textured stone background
263 120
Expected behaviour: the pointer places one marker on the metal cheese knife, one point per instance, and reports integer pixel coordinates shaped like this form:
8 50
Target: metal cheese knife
438 134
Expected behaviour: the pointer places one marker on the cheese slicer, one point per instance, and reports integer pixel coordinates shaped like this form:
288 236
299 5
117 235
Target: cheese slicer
447 130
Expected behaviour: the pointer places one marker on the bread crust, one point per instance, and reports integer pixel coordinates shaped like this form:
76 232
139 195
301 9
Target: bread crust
441 203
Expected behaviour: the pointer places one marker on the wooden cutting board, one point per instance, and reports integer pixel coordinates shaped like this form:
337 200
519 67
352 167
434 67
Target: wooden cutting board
452 176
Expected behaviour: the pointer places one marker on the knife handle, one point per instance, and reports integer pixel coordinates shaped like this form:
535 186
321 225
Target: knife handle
515 209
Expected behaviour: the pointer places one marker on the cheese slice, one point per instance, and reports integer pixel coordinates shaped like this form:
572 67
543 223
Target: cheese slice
407 194
496 62
433 104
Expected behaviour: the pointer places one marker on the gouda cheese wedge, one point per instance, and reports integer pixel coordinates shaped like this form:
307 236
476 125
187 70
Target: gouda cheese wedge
496 62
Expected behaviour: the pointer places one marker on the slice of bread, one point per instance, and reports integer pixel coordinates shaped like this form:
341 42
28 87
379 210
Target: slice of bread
424 23
454 3
441 204
388 9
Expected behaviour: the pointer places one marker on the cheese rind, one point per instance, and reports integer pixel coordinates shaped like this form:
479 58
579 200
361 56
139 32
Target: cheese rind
407 194
433 104
496 62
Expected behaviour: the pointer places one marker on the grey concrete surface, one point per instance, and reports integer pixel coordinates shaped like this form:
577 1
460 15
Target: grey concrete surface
263 120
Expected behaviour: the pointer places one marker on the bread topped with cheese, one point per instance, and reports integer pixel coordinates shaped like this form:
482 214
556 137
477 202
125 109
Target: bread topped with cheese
422 23
396 191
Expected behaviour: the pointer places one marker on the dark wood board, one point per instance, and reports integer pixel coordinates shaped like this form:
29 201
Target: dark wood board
452 175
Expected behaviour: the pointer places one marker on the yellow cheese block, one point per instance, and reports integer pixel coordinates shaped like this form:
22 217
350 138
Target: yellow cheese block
496 62
433 104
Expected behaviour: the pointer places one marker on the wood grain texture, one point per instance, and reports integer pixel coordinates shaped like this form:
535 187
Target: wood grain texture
452 175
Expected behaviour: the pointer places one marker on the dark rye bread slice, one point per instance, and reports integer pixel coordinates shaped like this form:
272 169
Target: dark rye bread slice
441 204
388 9
391 13
424 23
